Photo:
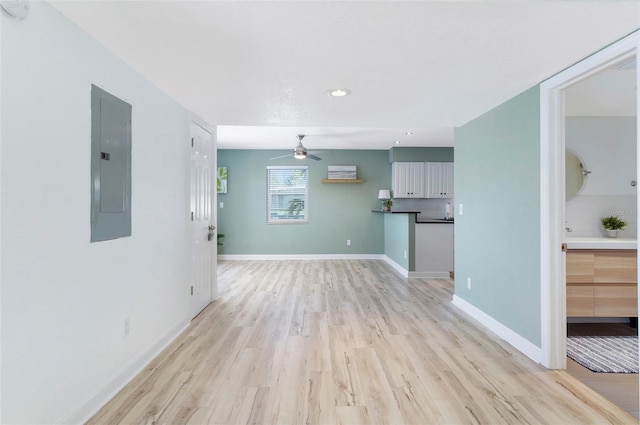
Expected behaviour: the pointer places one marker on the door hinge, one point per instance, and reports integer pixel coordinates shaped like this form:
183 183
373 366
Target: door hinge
192 142
191 215
191 289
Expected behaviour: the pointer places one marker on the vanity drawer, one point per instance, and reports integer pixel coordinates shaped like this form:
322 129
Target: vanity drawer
615 301
602 283
615 267
580 301
580 266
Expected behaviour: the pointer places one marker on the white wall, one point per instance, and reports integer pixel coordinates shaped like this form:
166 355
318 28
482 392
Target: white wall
607 145
65 300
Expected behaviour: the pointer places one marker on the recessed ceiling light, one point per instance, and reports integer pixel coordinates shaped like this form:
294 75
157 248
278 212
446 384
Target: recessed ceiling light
339 92
409 133
397 142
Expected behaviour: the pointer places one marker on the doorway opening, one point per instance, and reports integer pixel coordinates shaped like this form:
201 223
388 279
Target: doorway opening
601 272
563 128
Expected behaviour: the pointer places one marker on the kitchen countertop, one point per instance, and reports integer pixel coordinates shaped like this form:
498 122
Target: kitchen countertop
418 220
396 212
601 243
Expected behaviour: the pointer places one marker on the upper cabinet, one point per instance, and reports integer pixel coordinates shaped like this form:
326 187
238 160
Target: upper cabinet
408 179
439 180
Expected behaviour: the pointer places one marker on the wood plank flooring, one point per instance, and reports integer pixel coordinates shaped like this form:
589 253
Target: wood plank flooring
345 342
621 388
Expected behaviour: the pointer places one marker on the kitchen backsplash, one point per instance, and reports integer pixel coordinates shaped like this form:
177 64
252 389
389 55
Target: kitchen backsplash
430 208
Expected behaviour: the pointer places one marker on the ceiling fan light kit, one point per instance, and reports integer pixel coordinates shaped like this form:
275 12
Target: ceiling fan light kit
300 152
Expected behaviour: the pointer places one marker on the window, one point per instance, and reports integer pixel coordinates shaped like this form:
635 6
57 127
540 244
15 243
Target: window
287 194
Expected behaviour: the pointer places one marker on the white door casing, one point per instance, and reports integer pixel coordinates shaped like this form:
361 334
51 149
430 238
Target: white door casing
202 240
552 191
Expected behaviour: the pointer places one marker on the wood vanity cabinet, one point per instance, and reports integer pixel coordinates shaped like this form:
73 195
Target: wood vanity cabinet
602 283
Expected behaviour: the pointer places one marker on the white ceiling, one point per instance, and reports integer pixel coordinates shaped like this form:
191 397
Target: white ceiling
261 69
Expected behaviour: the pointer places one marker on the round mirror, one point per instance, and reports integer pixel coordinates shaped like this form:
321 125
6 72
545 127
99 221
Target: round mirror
576 174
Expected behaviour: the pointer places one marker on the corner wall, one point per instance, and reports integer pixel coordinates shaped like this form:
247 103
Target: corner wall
497 240
65 300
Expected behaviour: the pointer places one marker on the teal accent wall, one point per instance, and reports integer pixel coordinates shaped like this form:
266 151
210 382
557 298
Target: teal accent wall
497 240
399 237
337 212
413 154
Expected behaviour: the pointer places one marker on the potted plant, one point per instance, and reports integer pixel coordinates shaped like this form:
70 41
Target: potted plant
386 204
612 224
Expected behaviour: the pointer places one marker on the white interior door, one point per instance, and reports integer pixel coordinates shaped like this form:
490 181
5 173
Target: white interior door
203 245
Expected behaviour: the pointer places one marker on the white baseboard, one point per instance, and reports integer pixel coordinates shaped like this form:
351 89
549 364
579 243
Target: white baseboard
429 275
301 257
86 409
521 344
403 272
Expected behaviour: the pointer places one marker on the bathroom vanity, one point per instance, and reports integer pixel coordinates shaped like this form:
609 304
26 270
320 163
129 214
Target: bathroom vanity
602 277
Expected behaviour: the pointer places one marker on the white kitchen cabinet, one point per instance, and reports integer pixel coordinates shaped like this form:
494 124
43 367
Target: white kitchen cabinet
439 180
408 179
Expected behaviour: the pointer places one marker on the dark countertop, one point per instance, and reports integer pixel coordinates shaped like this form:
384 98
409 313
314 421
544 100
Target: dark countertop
396 212
418 221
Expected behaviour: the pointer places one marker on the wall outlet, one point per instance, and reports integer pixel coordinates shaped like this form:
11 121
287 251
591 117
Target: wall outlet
348 242
468 283
460 209
405 253
127 327
221 204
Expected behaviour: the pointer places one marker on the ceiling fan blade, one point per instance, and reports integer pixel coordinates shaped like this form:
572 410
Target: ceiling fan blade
314 157
281 156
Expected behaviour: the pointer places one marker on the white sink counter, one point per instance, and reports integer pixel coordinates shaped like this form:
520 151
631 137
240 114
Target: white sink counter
602 243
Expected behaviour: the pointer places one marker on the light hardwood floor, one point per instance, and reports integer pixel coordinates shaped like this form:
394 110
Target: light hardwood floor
620 388
345 342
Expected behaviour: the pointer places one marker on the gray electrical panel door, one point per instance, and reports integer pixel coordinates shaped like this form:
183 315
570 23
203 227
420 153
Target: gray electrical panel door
110 166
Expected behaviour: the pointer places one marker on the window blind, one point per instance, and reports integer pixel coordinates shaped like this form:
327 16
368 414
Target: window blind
287 194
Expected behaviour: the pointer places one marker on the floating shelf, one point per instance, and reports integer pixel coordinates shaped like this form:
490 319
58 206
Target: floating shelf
342 181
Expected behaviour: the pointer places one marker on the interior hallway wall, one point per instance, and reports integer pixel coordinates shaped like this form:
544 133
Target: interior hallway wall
65 300
497 239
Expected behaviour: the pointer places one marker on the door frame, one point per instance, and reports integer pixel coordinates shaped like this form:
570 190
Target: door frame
552 194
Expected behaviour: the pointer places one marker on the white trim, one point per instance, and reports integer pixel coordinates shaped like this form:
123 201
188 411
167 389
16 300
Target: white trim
397 267
292 257
429 275
552 216
518 342
202 123
89 407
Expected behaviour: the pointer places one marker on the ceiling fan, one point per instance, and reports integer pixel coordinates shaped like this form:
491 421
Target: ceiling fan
300 152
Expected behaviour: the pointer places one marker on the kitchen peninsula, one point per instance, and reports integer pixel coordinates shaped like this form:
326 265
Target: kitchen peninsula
418 248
